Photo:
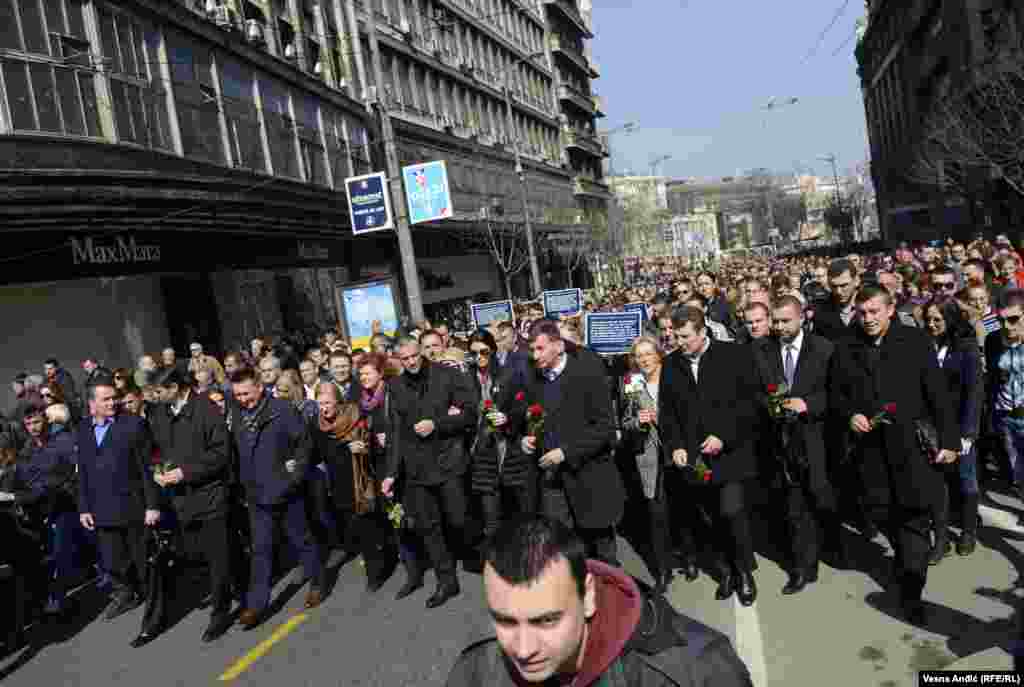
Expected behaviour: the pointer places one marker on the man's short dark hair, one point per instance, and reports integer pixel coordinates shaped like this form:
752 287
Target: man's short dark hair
688 314
548 328
943 271
662 298
51 361
105 380
20 377
246 373
979 264
790 301
869 292
758 306
841 266
1011 298
523 547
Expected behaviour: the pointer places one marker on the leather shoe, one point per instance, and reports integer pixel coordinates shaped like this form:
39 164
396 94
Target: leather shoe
314 597
967 543
219 624
746 591
726 586
143 639
795 585
250 618
411 585
374 583
443 593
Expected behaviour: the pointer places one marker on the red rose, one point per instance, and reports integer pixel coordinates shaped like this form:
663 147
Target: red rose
156 455
488 404
535 410
520 396
361 424
707 476
889 408
772 388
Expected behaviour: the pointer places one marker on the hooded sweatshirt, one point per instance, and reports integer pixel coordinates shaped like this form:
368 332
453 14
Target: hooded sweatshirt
618 611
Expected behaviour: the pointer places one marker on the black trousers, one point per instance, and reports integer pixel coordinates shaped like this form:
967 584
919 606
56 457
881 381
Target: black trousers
209 540
812 524
124 555
505 501
909 531
725 506
600 541
437 510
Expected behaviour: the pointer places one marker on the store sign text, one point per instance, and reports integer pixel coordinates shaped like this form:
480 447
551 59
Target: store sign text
88 251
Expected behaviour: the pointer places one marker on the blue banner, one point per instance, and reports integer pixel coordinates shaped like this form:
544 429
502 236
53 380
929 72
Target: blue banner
369 203
566 302
486 313
427 192
640 308
612 333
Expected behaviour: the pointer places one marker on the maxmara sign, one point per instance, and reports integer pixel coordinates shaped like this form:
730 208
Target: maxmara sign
116 250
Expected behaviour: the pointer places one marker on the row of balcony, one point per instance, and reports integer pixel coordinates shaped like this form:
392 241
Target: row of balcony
589 104
564 46
570 10
588 185
584 141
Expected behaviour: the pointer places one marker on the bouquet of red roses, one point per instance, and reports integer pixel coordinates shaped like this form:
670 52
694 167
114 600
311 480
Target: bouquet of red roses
885 416
535 421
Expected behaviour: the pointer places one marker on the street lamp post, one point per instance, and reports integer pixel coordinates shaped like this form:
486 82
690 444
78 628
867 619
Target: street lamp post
521 173
656 162
607 136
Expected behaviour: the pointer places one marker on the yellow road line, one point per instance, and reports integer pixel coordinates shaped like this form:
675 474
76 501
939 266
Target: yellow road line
242 664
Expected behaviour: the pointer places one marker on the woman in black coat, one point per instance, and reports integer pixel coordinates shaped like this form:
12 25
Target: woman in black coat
496 472
956 348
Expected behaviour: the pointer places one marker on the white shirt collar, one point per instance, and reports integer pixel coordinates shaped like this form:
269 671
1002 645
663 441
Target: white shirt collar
797 344
556 371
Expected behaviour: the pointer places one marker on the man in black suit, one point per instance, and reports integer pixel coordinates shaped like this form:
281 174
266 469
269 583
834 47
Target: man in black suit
837 320
193 442
892 368
714 403
801 362
580 483
432 407
116 495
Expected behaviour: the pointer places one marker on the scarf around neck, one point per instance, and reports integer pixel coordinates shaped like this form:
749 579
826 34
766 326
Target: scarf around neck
252 418
343 427
371 401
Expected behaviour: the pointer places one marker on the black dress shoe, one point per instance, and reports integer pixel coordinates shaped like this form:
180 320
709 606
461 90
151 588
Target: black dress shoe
443 593
795 585
219 624
746 590
143 639
411 585
726 586
967 543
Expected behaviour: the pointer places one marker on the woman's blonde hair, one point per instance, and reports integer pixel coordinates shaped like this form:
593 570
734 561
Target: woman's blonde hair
645 339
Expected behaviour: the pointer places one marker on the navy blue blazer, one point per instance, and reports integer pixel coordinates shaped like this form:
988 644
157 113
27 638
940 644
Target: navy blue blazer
114 479
962 370
282 435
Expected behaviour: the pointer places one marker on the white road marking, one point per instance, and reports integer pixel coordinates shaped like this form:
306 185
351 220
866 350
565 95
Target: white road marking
749 643
995 517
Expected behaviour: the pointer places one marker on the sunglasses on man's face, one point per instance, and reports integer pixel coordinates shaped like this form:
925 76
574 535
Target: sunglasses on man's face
1011 320
945 285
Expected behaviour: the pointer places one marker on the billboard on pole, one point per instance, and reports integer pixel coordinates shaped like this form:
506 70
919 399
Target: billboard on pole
427 192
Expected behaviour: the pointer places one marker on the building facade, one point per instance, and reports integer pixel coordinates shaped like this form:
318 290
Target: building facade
194 152
911 57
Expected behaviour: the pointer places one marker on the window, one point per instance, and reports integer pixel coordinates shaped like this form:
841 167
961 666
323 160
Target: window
313 158
242 116
280 128
195 99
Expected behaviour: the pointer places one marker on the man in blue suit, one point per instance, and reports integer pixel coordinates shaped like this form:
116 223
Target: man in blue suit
117 497
274 450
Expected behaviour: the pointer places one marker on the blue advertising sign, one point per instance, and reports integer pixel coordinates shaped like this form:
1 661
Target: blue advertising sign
369 203
427 191
486 313
640 308
364 303
566 302
612 333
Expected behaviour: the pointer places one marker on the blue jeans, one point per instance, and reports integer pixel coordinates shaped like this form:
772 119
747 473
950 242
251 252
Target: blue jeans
262 519
1011 432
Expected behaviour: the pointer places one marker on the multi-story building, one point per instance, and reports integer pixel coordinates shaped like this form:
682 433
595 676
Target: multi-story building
912 56
174 170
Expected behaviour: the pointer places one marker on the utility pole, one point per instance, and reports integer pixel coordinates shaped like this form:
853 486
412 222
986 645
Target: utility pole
521 173
831 159
406 250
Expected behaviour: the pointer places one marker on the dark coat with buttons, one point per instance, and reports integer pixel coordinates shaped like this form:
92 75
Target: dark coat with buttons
115 478
195 440
282 434
45 479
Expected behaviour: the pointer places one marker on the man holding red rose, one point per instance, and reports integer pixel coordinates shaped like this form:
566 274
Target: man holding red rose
891 367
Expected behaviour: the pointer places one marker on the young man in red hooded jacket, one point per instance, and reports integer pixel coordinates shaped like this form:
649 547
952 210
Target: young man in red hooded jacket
561 619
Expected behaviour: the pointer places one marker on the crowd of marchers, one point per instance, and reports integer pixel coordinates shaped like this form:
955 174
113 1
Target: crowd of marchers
855 396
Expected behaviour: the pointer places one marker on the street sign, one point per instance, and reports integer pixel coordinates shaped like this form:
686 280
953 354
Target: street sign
637 307
567 302
612 333
427 192
369 203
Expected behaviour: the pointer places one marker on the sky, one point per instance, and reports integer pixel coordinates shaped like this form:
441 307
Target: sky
694 76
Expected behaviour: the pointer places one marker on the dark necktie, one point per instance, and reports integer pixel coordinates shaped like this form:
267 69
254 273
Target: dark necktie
790 368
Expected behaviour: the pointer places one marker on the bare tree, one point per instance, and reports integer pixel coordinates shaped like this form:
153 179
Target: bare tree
506 242
975 136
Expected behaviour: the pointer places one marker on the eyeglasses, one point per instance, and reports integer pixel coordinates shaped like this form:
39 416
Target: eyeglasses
945 285
482 351
1011 320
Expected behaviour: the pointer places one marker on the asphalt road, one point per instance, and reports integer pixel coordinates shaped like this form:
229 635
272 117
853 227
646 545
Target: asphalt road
840 632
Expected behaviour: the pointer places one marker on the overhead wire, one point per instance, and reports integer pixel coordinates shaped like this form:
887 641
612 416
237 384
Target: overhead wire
821 37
